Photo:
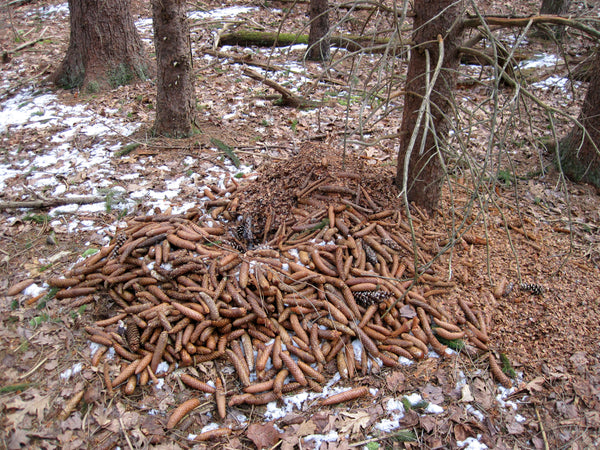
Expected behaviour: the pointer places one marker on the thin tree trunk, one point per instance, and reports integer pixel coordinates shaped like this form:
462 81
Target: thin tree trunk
105 49
579 151
421 161
175 83
318 40
557 8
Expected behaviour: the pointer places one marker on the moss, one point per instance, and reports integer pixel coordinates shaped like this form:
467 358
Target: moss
93 87
70 78
575 167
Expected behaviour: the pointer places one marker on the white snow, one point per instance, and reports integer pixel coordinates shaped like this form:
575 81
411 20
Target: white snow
472 443
543 60
33 290
222 13
67 374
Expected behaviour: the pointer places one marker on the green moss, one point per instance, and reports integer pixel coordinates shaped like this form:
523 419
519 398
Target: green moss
127 149
507 367
93 87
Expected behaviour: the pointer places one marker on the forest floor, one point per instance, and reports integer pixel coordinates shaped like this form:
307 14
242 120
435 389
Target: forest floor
530 227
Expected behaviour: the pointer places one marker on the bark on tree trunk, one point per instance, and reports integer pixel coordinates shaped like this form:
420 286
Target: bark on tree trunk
558 8
318 41
105 49
422 161
579 151
175 97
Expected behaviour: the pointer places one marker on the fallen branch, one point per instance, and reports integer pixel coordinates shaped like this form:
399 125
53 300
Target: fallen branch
50 202
245 60
288 98
270 39
506 22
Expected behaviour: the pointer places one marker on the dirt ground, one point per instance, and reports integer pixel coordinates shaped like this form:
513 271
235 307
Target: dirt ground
533 229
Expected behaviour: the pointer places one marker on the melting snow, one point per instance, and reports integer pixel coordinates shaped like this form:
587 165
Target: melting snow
67 374
472 443
545 60
222 13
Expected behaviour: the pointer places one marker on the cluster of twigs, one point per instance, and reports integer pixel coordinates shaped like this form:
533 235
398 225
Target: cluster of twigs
332 289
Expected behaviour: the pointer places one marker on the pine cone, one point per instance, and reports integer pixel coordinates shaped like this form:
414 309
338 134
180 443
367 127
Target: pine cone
535 289
391 244
370 254
132 335
368 298
120 239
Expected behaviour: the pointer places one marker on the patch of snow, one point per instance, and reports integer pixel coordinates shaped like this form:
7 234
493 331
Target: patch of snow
414 399
211 426
432 408
33 290
162 367
94 347
222 13
67 374
472 443
543 60
52 10
552 82
318 439
475 412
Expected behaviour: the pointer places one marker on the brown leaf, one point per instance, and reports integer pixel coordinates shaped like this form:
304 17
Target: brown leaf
428 423
433 394
17 439
354 422
306 428
263 435
462 432
395 381
410 419
515 427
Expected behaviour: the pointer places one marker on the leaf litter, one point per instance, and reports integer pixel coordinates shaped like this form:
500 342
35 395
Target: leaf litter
42 118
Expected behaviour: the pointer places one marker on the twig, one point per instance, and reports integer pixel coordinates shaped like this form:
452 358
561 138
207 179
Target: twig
125 433
542 429
534 20
11 89
50 202
250 62
34 368
288 98
30 43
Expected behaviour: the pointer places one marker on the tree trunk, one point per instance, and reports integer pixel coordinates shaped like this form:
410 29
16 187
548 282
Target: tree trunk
421 161
175 97
557 8
579 151
318 40
105 50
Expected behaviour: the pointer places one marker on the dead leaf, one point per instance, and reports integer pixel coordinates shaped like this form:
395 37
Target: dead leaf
395 381
515 427
462 432
17 439
306 428
410 419
428 423
35 406
433 394
535 385
466 394
263 435
354 422
73 422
